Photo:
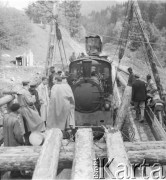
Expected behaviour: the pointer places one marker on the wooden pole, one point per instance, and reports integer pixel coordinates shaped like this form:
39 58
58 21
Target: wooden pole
122 111
116 154
47 164
116 95
6 99
84 155
150 53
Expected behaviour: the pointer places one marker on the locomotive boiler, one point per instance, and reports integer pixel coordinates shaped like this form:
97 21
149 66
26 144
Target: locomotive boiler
91 82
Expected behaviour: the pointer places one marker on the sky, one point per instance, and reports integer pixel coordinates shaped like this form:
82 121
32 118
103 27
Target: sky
21 4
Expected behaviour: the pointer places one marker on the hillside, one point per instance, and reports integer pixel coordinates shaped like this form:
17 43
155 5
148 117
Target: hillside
38 44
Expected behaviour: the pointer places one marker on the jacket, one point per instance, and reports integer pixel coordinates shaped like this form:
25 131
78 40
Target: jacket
138 91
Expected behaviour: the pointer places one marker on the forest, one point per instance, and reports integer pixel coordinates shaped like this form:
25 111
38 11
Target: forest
15 26
108 23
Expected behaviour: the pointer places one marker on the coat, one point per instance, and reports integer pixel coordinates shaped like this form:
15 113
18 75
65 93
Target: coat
44 100
13 130
138 91
27 110
62 107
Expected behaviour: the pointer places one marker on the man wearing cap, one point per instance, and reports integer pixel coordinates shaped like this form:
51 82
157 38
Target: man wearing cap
72 57
131 77
139 97
62 106
31 118
34 92
13 127
44 98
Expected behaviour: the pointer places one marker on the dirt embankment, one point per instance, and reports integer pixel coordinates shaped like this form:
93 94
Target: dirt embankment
11 75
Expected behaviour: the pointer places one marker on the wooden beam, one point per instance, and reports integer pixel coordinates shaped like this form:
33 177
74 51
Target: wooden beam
116 94
122 80
133 125
123 109
25 157
47 164
116 153
6 99
83 155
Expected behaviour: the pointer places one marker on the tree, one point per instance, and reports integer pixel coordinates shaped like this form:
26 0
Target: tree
72 13
14 28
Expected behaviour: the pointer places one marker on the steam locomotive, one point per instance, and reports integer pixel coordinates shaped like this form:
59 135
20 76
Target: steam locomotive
91 81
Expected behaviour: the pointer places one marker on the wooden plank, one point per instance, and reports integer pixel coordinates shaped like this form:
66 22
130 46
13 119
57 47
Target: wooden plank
132 123
123 109
84 155
116 153
47 164
6 99
116 95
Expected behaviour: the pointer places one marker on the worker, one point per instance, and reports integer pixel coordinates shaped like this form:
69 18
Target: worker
26 101
82 55
131 77
44 98
13 127
34 92
62 106
51 76
139 97
150 86
72 57
13 131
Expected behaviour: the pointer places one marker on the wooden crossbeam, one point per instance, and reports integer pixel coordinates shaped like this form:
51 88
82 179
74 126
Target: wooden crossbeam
25 157
47 163
83 155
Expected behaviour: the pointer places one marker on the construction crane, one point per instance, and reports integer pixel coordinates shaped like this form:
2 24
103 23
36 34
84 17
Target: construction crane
133 13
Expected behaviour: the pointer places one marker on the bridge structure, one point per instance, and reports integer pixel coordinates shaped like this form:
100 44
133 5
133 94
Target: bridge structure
124 159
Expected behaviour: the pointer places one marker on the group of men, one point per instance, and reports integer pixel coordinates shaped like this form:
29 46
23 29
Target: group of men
141 92
35 109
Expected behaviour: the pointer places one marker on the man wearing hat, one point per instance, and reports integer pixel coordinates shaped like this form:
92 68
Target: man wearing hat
131 77
139 97
62 106
13 127
34 92
33 121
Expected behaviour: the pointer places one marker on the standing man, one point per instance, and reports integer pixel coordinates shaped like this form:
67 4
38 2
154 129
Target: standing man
34 92
72 57
51 77
13 127
13 131
62 106
131 79
44 98
151 87
139 97
28 111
